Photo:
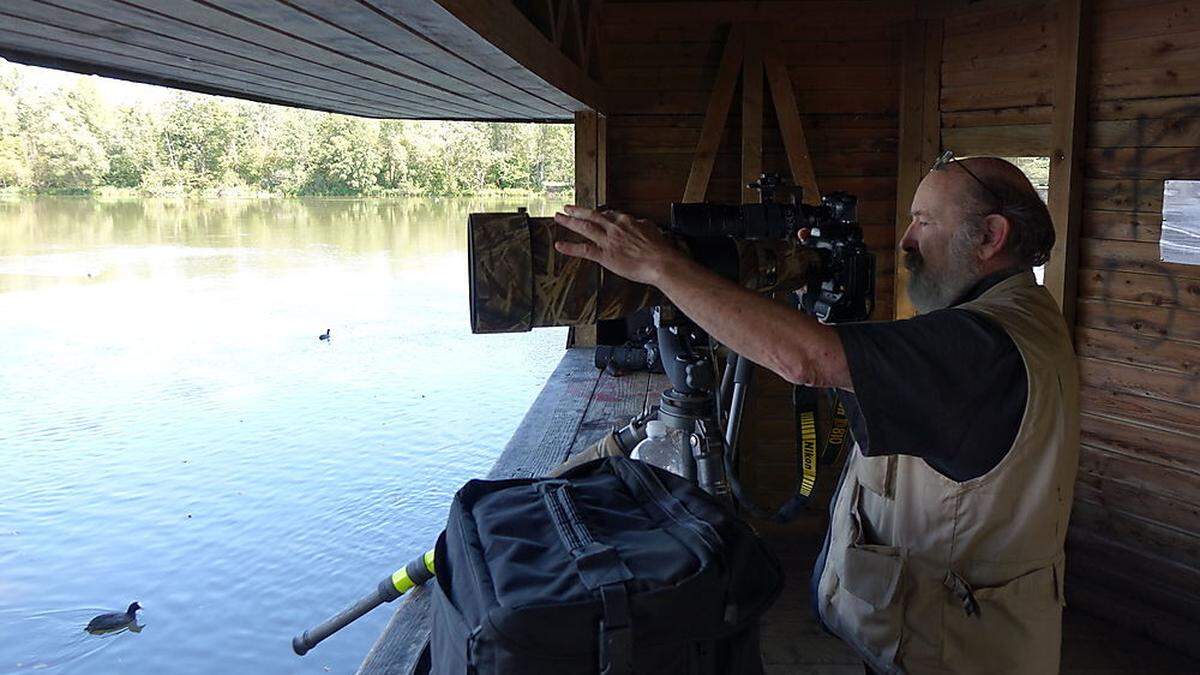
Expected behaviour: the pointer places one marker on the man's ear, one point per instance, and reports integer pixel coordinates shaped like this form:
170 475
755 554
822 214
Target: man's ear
996 230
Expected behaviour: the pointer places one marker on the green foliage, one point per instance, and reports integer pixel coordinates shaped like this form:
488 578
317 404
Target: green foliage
345 160
14 165
65 153
72 140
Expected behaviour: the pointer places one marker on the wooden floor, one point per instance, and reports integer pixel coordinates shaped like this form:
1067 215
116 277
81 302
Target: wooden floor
579 404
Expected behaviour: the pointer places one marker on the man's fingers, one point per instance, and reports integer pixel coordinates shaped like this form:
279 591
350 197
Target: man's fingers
590 215
587 228
578 249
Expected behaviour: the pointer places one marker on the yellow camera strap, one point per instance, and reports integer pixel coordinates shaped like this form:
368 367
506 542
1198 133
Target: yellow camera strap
839 431
807 421
814 421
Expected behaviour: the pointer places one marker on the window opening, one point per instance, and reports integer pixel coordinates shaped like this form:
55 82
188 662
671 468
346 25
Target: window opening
1180 238
1037 170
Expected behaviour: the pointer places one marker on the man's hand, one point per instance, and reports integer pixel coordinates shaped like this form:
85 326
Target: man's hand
768 333
633 248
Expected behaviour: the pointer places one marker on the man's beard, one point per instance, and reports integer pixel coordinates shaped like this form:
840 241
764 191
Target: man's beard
936 289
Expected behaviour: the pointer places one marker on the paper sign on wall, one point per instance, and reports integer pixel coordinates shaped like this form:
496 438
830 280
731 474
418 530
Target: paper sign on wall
1180 240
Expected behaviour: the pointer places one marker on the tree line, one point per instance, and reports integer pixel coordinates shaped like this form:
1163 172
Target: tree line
71 140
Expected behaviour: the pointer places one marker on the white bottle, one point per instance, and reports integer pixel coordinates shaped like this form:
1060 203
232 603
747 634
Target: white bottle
662 447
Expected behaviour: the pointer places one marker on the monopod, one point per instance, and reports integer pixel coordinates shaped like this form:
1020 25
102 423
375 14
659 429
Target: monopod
414 574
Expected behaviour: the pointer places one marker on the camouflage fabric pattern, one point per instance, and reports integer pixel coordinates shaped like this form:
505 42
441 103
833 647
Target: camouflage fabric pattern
564 288
501 280
518 281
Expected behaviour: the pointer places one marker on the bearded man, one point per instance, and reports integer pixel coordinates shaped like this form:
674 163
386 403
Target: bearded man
944 552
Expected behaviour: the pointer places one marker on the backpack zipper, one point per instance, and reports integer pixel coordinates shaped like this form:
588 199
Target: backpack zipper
708 536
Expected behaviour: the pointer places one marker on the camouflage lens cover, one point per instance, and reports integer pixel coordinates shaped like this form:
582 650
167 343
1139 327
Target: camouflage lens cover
519 281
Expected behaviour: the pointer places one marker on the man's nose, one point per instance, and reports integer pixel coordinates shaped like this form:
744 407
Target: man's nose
909 242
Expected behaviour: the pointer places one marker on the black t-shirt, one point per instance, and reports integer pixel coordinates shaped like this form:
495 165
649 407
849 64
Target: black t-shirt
948 387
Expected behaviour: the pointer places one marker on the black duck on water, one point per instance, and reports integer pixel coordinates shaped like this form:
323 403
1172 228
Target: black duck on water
106 623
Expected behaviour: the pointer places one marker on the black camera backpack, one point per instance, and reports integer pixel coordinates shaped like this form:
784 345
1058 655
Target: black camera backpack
615 568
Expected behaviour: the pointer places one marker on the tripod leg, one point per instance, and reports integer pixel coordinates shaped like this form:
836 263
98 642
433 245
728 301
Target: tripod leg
742 376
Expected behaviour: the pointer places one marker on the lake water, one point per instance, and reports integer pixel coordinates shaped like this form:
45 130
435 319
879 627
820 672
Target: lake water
173 432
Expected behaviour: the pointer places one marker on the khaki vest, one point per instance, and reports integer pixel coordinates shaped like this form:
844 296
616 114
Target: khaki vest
927 575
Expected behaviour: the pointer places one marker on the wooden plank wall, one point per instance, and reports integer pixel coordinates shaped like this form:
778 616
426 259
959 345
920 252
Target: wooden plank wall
1135 536
659 72
1134 541
1136 531
998 80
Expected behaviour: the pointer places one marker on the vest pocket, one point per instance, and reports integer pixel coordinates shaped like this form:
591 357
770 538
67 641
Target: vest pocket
869 597
872 574
1011 627
877 474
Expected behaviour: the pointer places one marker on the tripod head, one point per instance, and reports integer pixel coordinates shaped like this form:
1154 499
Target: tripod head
690 405
685 351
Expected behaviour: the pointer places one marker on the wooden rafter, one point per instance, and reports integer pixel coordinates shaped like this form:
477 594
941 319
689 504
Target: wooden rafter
577 25
541 13
507 29
560 22
591 36
715 116
795 144
571 26
753 60
794 12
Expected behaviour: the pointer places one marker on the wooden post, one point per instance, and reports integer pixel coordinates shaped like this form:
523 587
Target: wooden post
591 146
1068 137
587 157
920 132
910 150
752 113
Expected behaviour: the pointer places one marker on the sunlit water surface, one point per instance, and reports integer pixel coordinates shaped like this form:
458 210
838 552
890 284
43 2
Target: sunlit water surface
173 432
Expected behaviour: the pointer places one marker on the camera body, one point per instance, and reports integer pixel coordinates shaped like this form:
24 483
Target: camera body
841 287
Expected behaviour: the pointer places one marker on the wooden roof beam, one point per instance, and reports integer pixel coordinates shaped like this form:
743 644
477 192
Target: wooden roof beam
500 23
798 13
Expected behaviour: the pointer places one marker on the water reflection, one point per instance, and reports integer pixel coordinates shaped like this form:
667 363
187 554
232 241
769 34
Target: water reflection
173 431
55 240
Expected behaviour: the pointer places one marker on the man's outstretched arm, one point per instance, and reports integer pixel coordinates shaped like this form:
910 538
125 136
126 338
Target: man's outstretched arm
796 346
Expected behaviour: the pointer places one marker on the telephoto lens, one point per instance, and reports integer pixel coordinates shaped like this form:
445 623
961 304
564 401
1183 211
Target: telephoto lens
518 281
751 222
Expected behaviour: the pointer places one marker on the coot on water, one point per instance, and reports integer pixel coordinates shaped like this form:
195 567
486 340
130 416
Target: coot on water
113 621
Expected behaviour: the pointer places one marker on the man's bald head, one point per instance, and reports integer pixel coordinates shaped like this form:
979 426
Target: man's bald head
972 218
1010 194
